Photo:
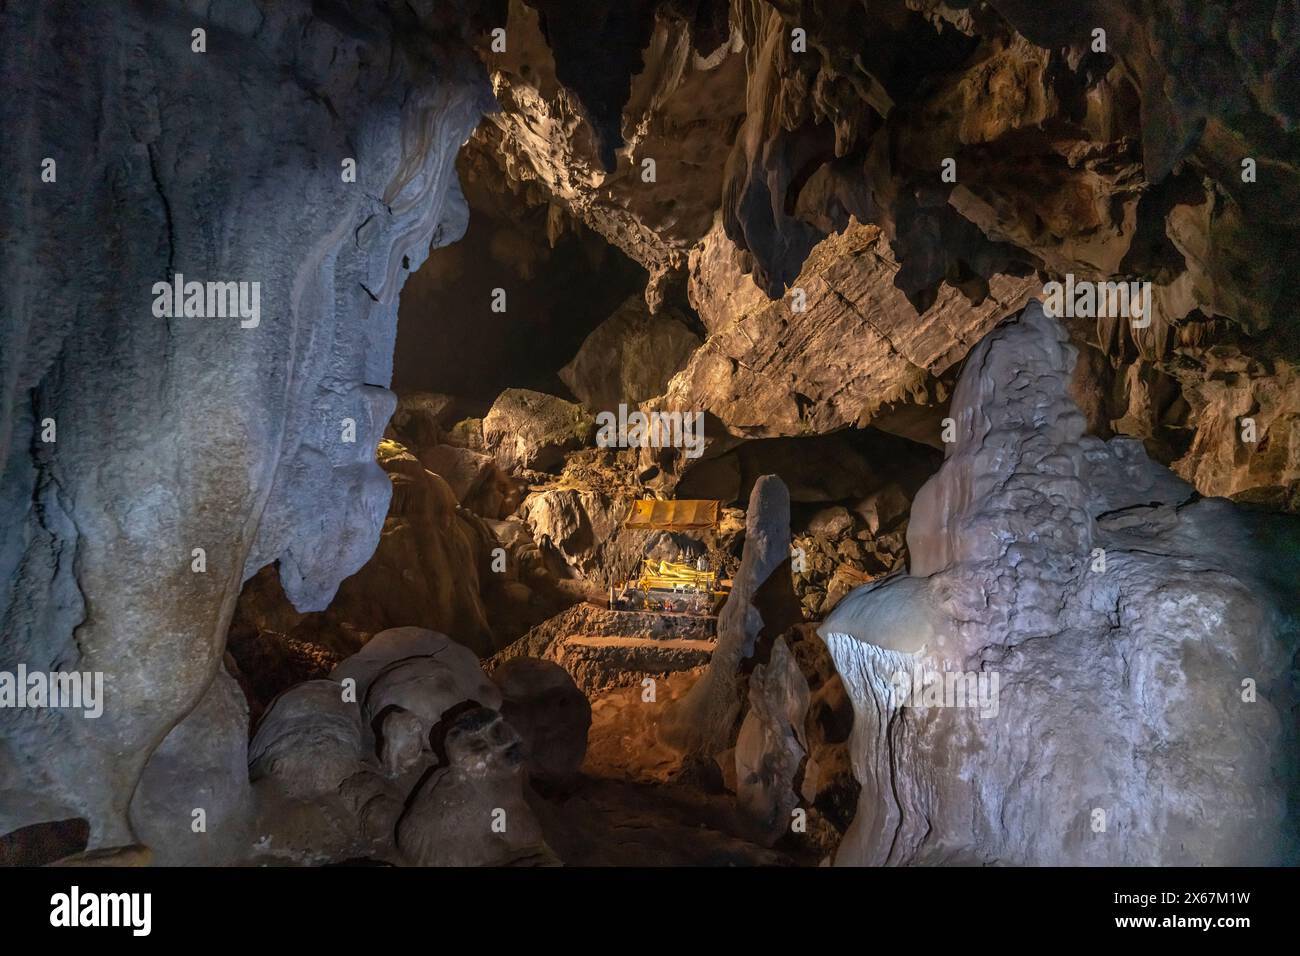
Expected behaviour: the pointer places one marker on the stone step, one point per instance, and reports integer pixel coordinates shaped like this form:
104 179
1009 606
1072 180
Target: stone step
595 621
598 663
651 625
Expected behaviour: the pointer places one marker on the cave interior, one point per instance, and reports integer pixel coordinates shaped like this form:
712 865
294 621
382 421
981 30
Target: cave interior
670 432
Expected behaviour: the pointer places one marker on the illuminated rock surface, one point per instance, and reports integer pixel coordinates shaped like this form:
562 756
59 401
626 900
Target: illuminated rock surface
1123 730
185 433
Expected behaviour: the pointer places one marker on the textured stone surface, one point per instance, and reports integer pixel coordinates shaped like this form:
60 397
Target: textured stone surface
1117 164
184 433
720 285
663 91
331 779
629 357
429 686
422 419
586 527
1121 690
431 568
308 742
201 765
527 429
471 812
540 700
772 743
466 471
459 669
858 346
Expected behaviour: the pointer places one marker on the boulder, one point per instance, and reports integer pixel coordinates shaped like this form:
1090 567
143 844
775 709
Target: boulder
541 701
602 649
831 522
629 357
471 811
457 672
467 433
883 510
464 469
308 742
586 528
427 687
421 419
475 478
532 430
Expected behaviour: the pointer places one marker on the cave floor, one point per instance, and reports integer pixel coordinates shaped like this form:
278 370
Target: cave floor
610 822
632 805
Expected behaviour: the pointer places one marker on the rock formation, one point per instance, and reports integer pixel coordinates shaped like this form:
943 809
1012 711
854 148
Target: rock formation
629 358
761 600
416 772
526 429
472 811
194 804
1084 665
585 148
426 685
431 568
550 713
850 345
248 437
821 227
1069 149
772 742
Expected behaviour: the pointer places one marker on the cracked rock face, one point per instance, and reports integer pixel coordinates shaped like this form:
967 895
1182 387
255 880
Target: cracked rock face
253 441
589 94
1111 157
851 344
1138 715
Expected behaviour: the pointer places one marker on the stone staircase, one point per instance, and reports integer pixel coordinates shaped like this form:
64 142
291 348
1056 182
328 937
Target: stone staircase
603 649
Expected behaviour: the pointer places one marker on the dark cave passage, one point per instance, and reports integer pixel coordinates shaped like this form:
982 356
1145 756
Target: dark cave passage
451 338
